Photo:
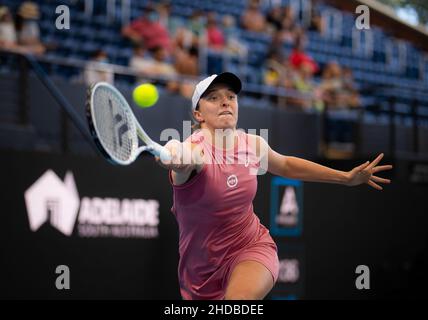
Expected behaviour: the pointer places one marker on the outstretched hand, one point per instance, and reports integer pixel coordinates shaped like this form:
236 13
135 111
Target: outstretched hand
365 174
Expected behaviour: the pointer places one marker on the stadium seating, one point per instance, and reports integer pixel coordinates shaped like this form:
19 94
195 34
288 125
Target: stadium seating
380 69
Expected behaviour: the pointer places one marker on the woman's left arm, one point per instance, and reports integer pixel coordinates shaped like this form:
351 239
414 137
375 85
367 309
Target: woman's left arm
305 170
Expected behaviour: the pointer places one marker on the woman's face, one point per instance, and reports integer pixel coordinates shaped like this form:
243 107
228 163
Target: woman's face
218 108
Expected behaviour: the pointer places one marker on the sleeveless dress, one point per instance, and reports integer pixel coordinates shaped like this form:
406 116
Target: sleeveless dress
217 224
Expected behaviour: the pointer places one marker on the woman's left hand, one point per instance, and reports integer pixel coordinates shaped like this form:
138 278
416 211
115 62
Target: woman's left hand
365 174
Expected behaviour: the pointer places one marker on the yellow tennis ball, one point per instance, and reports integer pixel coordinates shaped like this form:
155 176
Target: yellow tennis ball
145 95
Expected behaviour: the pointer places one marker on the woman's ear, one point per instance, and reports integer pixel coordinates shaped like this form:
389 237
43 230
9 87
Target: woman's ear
198 116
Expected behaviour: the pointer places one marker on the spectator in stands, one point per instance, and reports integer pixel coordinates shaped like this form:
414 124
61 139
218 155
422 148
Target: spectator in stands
214 40
198 23
166 19
276 47
163 10
275 73
309 97
316 22
298 55
252 19
160 64
184 38
233 44
281 19
140 62
148 30
351 92
159 70
187 64
215 37
28 28
336 94
8 36
289 28
97 69
188 36
274 19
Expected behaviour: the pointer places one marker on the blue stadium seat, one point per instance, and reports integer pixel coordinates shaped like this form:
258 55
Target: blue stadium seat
88 47
89 34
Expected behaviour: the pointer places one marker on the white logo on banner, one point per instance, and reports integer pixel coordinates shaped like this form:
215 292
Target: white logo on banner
288 212
288 270
50 199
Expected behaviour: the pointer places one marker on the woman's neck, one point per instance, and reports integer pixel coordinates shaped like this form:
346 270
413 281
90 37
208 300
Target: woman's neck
221 138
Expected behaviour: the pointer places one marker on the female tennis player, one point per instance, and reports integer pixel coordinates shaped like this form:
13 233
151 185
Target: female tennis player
225 252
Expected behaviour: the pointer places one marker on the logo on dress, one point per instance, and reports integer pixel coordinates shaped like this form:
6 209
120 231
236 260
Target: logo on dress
247 162
232 181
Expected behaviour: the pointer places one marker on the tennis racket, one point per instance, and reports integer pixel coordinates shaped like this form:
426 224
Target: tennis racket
115 129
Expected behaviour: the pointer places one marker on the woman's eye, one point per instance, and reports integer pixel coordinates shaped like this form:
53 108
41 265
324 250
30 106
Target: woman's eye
231 97
213 98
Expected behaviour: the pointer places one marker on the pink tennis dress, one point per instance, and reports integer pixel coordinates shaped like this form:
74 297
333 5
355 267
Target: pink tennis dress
217 224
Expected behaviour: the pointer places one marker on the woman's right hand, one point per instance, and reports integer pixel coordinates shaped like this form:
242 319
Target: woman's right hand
181 157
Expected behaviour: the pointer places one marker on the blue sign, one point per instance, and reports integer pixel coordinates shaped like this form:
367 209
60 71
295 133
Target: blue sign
286 207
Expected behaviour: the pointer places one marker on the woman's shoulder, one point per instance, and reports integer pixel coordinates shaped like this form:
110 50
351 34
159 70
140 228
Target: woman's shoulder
257 143
249 136
195 142
195 138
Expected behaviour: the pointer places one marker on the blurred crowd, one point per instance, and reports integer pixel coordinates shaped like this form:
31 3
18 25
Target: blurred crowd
331 87
169 47
316 88
21 34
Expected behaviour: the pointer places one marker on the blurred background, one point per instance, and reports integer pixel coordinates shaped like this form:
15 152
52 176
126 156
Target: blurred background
325 89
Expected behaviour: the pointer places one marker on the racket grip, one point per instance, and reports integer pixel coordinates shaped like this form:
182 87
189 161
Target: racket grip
161 152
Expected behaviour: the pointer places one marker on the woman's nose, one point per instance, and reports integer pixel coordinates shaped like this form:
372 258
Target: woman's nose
224 101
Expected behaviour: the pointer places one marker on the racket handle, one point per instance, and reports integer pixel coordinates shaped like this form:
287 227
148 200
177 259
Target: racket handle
161 152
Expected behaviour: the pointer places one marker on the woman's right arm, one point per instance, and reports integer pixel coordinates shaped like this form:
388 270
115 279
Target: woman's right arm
185 157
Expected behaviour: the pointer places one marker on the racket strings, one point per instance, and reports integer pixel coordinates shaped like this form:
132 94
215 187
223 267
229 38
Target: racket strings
115 127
